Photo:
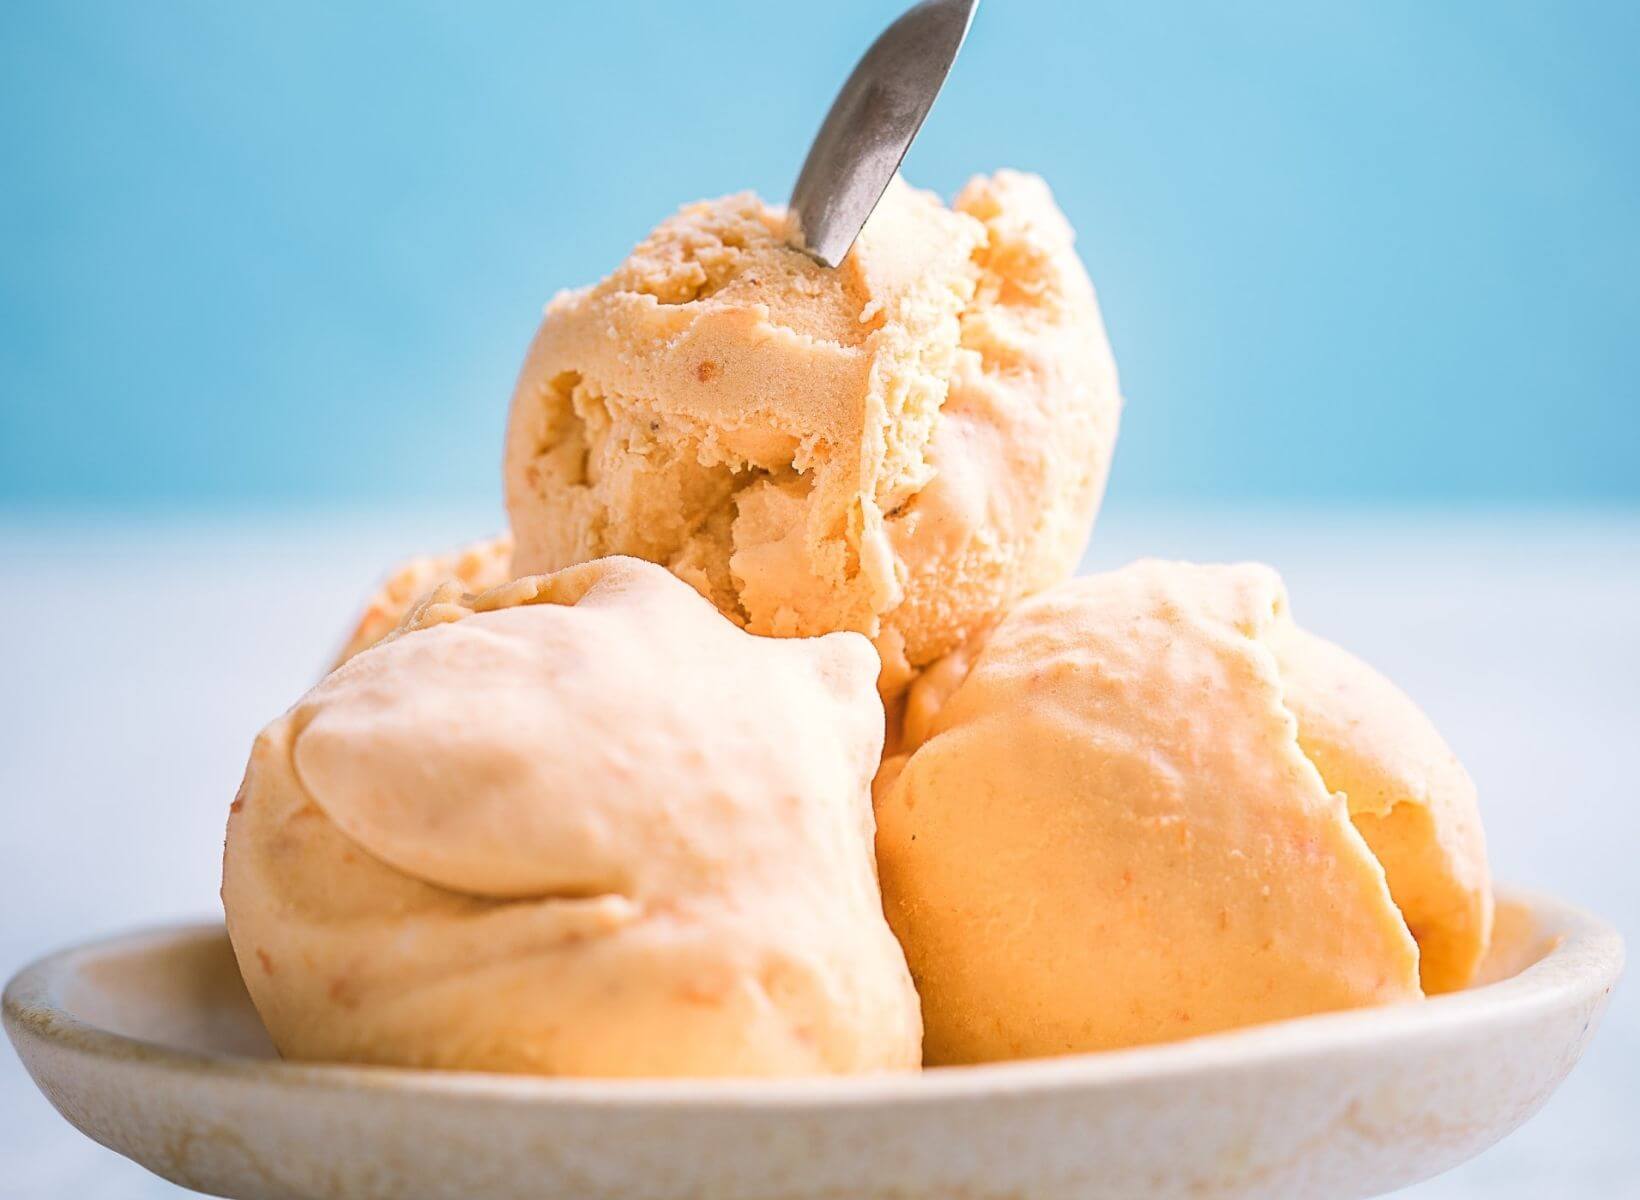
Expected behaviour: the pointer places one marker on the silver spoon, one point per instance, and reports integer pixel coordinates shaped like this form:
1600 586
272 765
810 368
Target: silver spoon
871 125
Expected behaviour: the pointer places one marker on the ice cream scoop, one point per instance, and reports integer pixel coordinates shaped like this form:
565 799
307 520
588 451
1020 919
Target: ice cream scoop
902 446
579 824
1129 815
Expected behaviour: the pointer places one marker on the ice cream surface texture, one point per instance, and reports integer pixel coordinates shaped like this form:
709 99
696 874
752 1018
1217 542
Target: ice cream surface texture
1126 817
580 824
902 446
476 567
1408 795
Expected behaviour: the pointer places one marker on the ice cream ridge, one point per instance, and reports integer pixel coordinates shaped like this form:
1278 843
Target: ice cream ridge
476 567
606 794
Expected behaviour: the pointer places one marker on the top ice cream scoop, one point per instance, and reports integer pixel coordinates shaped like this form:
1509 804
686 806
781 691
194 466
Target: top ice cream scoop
903 446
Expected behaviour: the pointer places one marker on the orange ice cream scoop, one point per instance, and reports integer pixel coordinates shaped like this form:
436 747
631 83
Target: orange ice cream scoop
902 446
579 824
1106 828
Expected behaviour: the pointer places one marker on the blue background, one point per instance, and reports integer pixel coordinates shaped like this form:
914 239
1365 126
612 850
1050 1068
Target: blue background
290 255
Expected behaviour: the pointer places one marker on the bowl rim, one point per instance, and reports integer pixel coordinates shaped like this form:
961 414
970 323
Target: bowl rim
1584 960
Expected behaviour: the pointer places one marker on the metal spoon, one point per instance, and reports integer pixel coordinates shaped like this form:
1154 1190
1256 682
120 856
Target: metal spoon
871 125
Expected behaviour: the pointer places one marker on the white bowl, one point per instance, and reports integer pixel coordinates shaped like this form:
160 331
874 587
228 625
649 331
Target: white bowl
149 1044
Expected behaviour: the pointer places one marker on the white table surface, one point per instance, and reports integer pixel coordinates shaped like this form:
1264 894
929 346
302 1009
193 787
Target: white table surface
138 658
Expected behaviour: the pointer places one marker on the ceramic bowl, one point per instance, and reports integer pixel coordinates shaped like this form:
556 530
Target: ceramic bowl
149 1044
